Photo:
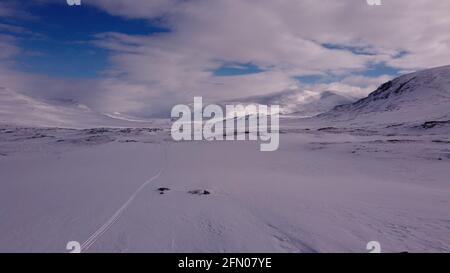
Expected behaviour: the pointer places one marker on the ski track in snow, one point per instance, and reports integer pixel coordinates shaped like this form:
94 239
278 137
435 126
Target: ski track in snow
115 217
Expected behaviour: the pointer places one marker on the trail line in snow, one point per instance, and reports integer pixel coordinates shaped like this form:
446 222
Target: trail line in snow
105 227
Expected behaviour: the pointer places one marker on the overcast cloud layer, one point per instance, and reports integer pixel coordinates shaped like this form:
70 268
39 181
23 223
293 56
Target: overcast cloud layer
286 39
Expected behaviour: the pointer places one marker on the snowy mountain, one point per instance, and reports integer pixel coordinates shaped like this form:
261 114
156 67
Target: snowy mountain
22 110
417 97
301 103
315 104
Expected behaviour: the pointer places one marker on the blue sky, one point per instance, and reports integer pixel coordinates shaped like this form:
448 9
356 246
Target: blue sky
62 41
237 69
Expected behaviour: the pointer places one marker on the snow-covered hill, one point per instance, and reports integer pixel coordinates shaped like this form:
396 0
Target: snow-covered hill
22 110
417 97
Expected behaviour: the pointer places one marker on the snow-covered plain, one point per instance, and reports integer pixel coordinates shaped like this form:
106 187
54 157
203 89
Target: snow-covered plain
334 185
321 191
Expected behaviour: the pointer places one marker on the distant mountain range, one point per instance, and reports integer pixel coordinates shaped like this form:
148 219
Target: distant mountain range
300 103
417 97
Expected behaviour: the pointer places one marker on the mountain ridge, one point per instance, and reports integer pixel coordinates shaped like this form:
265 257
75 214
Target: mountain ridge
418 96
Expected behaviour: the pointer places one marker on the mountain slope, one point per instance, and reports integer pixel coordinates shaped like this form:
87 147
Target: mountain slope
22 110
415 97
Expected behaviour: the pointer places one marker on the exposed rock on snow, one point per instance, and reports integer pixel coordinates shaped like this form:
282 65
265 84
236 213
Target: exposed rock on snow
162 190
199 192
